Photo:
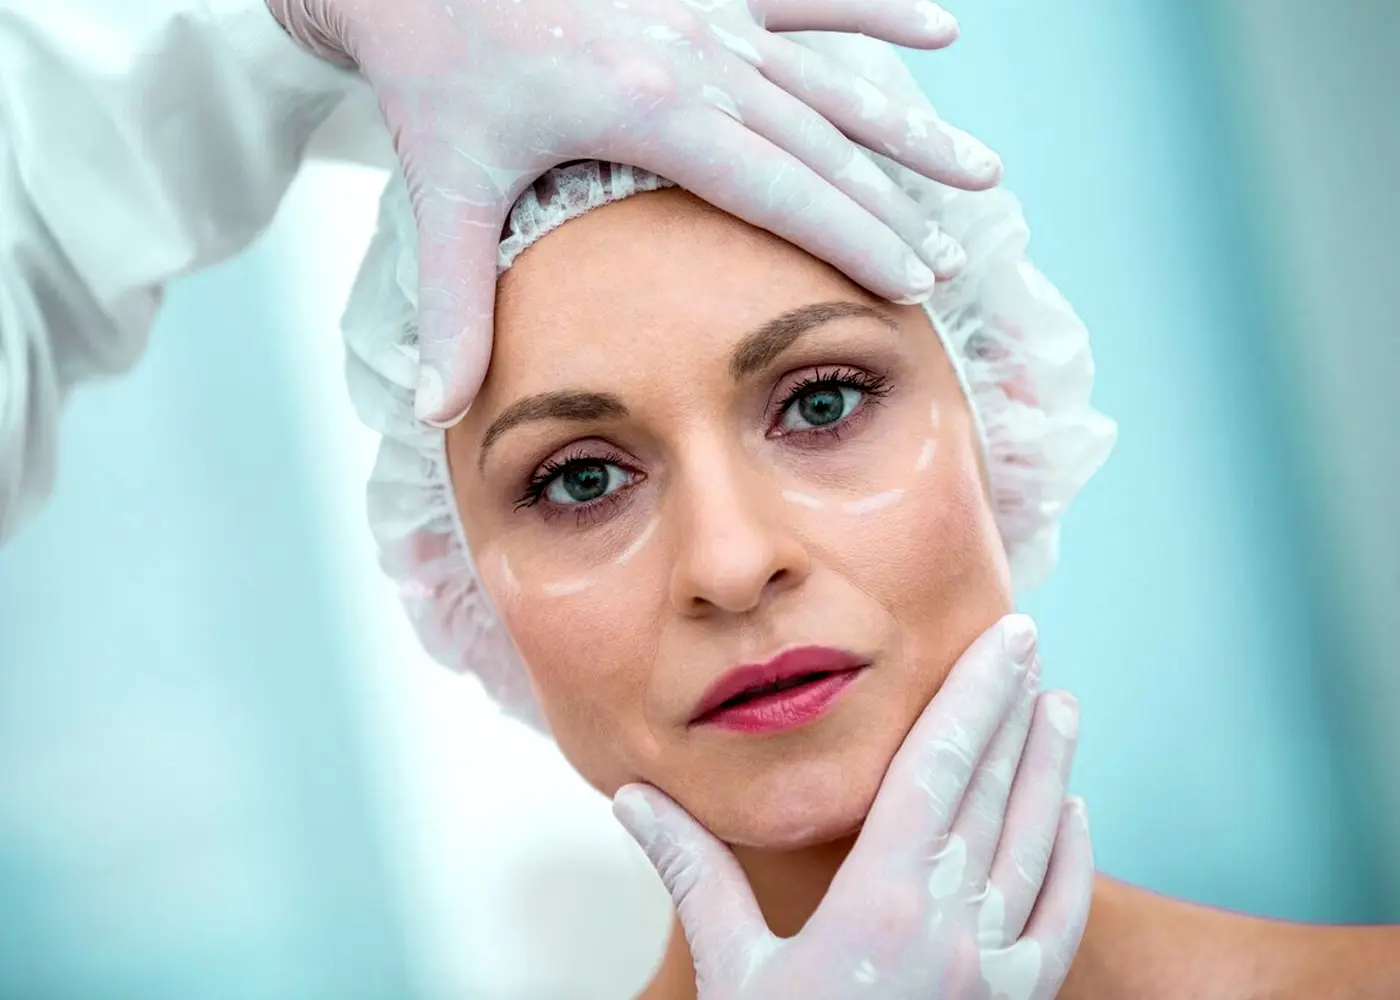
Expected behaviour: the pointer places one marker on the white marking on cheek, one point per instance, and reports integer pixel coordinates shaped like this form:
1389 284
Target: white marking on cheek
721 100
865 972
868 505
567 587
873 101
1062 716
860 169
509 580
925 456
991 920
1012 973
949 866
636 546
803 500
740 47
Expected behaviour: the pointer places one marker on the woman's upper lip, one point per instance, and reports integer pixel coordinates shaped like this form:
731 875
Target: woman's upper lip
790 663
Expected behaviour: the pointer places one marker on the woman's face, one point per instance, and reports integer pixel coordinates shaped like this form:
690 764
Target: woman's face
697 448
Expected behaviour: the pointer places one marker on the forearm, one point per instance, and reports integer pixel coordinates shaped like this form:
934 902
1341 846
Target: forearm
1142 946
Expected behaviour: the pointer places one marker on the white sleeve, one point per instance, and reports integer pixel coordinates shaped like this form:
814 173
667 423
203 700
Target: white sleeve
139 140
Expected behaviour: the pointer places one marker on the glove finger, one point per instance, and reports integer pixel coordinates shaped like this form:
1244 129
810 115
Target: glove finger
926 782
911 133
457 243
737 170
1061 914
979 823
791 125
721 918
1033 814
914 23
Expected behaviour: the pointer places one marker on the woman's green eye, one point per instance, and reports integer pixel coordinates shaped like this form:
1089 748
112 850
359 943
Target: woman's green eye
820 407
583 482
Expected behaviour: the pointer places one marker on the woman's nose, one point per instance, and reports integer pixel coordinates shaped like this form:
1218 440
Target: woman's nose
739 547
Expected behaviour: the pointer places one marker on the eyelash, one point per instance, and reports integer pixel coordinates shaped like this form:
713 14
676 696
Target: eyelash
872 387
586 513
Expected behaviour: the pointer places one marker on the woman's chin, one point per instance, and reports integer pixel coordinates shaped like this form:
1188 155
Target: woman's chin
792 807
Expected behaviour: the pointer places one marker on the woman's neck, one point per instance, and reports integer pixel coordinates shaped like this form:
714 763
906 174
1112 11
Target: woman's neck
788 886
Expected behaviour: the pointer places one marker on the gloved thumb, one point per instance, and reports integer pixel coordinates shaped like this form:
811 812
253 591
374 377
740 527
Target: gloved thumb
457 248
722 921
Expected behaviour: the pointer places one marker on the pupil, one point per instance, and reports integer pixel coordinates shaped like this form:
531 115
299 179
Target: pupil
821 407
586 482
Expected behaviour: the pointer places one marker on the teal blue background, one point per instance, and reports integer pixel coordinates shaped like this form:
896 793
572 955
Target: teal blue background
183 799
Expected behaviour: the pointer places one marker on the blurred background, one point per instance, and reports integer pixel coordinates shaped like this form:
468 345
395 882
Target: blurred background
228 771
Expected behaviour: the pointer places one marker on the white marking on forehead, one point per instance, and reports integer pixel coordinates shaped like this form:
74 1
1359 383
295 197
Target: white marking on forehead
873 101
925 456
868 505
803 500
641 540
566 587
739 46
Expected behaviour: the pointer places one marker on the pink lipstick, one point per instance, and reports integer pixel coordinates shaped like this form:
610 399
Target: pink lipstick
792 689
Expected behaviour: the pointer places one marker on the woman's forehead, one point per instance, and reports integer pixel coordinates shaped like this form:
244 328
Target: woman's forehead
648 278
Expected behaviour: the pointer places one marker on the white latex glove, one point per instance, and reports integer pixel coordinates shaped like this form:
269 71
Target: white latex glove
484 96
971 879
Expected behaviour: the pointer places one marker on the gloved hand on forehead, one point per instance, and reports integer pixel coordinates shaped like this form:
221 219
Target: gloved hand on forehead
971 878
483 96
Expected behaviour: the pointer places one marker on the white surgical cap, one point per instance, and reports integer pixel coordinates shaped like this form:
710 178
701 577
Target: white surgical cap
1021 353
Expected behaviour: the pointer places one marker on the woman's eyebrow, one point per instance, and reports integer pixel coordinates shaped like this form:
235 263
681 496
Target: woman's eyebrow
568 404
757 350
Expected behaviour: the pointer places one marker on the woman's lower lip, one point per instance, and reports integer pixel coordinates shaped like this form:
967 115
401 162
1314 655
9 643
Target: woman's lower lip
773 713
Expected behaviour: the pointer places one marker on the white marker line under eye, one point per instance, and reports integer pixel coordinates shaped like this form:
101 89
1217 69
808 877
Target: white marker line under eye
567 587
803 500
508 578
925 456
636 546
867 505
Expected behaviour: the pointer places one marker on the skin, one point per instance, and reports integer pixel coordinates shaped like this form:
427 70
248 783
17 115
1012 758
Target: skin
702 560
